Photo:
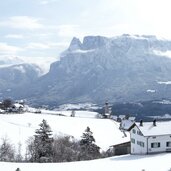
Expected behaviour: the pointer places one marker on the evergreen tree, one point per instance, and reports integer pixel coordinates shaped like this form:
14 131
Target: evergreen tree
43 143
89 150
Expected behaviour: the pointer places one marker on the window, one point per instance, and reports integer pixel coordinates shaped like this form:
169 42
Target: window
155 145
168 144
134 131
140 143
139 133
133 140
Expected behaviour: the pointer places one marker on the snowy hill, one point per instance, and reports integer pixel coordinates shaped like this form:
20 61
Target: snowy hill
19 127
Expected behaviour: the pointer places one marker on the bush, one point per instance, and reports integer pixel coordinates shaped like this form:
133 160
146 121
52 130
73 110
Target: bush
65 149
7 151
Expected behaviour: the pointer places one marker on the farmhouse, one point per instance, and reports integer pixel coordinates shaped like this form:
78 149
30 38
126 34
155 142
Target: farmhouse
150 137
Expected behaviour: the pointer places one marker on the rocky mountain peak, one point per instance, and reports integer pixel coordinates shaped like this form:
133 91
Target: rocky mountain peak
93 42
75 44
120 69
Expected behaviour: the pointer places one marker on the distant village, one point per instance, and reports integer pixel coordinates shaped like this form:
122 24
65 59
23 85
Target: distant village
8 106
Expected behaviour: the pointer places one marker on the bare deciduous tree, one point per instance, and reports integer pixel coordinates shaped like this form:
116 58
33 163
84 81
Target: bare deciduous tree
7 151
65 149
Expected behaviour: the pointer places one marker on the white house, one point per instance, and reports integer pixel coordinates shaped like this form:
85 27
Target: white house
150 137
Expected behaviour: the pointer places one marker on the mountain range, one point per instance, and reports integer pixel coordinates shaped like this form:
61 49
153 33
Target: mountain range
119 69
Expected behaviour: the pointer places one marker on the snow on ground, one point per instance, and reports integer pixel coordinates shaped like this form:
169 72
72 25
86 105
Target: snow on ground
164 82
78 113
18 127
157 162
87 106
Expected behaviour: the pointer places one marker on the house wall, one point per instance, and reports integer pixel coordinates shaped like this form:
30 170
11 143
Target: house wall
150 144
163 143
138 142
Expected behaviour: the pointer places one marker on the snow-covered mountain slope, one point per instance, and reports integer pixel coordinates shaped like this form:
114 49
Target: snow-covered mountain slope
119 69
19 127
15 79
157 162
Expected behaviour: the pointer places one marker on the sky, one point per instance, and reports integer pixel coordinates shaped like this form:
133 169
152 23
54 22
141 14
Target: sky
45 28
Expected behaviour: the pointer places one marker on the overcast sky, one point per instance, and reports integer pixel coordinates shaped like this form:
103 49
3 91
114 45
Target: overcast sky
44 28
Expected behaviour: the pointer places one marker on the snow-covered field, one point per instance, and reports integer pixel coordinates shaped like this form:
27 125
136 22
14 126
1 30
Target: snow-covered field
19 127
159 162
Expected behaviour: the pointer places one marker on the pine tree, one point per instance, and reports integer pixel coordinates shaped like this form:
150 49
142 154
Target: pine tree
88 147
43 143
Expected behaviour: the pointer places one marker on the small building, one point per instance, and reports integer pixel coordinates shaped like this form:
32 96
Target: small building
150 137
121 117
2 111
16 108
119 149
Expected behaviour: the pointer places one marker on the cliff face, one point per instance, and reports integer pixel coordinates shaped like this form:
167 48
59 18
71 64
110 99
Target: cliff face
120 69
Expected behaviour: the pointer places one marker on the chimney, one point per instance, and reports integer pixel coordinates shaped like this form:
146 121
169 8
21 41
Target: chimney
154 122
141 122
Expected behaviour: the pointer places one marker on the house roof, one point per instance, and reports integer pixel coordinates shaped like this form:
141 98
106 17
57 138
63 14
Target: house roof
17 105
121 116
161 128
126 124
131 118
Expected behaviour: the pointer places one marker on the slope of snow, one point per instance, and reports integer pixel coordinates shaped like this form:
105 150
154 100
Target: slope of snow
78 113
18 127
87 106
159 162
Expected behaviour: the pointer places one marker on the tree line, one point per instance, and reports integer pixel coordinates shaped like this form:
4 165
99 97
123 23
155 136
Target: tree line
43 147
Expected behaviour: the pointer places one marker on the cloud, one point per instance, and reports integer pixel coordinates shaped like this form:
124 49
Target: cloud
37 46
14 36
6 49
42 62
70 31
22 22
45 46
